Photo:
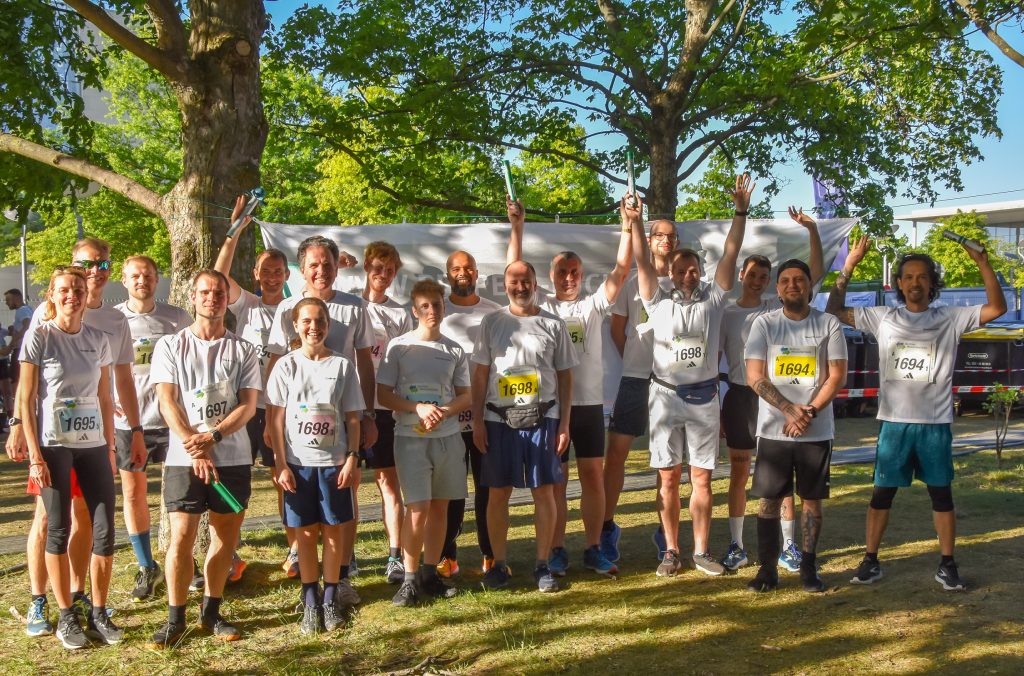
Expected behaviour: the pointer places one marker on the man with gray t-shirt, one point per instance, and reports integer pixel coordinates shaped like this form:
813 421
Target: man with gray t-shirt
916 347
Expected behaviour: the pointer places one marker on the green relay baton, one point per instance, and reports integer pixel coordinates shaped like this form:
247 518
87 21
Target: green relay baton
508 181
225 494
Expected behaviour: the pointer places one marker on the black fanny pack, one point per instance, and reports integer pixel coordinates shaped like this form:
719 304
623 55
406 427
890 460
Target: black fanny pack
692 393
520 417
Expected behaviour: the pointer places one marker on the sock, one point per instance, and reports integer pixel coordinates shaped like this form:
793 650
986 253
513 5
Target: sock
98 612
39 596
871 556
540 564
211 608
410 577
395 552
67 614
329 589
77 596
946 560
429 570
769 544
310 594
608 525
788 532
176 614
142 548
344 572
807 567
736 530
499 563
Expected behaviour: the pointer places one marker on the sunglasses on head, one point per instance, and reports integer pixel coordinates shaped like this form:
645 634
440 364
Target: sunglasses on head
102 265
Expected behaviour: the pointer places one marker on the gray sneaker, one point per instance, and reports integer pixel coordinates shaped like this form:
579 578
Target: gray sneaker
670 564
104 631
706 564
334 617
312 621
407 596
346 595
70 634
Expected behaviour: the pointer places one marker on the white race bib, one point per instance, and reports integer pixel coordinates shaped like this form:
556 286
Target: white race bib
422 393
77 420
793 365
207 406
314 425
518 386
686 352
911 361
380 343
577 332
466 421
143 354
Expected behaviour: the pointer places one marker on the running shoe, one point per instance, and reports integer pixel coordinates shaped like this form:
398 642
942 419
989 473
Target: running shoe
558 562
221 628
290 565
103 630
867 572
595 560
790 558
167 636
146 581
69 632
37 619
406 597
447 567
198 581
435 587
949 577
766 580
394 571
496 578
545 580
238 567
813 584
735 558
658 538
346 595
670 564
312 621
334 617
610 542
706 564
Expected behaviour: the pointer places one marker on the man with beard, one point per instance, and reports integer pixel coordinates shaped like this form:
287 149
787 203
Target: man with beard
786 354
584 315
917 348
148 321
464 309
739 407
523 360
684 412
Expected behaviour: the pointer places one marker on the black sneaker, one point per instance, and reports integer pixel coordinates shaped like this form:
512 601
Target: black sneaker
312 620
333 617
437 588
949 577
104 631
406 596
546 581
867 572
198 582
812 583
167 636
222 629
766 580
146 581
70 634
496 578
394 571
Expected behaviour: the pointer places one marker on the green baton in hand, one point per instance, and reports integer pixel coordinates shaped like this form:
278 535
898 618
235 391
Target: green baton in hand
225 495
508 181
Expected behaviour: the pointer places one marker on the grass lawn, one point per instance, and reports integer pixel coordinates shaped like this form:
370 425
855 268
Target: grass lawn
635 624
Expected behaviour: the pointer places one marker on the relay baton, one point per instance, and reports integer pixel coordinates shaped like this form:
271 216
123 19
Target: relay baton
630 178
966 241
225 494
508 181
256 196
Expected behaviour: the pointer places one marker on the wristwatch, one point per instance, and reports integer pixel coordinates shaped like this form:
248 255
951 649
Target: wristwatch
12 421
217 436
137 428
372 415
814 411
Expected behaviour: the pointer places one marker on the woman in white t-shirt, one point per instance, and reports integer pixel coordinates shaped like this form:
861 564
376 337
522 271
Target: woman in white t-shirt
310 393
67 413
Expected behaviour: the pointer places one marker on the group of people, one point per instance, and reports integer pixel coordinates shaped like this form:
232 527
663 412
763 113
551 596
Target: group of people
313 385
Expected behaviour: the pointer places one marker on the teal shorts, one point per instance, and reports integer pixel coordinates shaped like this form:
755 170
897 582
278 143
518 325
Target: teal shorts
909 450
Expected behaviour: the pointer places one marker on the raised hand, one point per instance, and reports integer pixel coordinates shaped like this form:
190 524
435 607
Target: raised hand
858 251
800 217
741 193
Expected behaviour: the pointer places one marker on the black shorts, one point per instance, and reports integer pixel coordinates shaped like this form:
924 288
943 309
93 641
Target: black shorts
586 431
632 410
382 454
255 428
156 447
778 460
5 369
739 417
184 492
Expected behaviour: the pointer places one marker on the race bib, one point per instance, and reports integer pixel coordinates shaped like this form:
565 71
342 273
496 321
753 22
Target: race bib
911 361
792 365
686 352
207 406
77 420
466 421
261 350
422 393
143 354
577 332
314 426
518 386
380 343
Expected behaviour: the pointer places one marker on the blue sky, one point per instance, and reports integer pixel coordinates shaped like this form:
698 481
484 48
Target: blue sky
999 172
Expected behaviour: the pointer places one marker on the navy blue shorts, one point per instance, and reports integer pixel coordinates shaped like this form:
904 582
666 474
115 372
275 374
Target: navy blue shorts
317 498
632 410
382 454
522 458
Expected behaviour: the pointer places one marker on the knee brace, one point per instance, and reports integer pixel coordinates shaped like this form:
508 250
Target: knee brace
942 498
882 497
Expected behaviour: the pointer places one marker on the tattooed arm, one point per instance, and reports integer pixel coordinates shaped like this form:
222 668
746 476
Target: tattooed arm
798 418
837 299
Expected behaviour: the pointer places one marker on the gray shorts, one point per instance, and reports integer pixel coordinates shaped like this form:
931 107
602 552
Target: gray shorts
431 468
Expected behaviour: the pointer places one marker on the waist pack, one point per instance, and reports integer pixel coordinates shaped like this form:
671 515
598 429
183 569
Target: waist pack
522 417
693 393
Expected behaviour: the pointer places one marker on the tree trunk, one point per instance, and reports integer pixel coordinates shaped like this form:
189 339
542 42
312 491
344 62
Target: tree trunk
662 193
223 132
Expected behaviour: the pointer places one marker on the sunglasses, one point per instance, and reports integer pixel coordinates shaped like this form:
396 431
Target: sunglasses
101 265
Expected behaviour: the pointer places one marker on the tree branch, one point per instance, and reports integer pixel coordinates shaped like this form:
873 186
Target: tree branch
163 62
170 30
986 28
122 185
643 83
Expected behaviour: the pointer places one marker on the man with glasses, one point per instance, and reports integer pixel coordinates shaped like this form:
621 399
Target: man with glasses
93 256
